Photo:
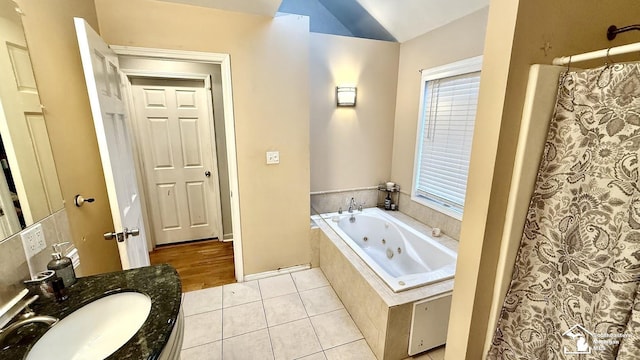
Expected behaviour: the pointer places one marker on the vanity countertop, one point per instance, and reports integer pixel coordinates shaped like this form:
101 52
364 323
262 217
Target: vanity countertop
160 282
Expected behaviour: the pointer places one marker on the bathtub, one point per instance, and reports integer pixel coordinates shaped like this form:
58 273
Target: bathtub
400 255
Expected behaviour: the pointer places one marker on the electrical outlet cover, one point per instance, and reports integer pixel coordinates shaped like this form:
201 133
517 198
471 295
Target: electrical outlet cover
33 240
39 241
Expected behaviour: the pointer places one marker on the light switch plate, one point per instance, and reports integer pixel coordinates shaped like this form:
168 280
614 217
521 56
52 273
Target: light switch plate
273 157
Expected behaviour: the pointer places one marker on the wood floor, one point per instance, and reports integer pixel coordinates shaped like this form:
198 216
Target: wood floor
201 264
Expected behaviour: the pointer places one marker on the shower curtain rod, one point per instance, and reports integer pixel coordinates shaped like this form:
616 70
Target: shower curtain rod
598 54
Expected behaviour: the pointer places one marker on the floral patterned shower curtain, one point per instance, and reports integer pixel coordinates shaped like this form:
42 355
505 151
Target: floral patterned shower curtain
575 290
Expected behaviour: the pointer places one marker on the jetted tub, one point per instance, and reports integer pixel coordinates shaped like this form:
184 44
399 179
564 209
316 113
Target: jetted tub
400 255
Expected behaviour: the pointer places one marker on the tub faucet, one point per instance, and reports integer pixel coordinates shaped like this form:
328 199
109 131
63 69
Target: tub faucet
352 205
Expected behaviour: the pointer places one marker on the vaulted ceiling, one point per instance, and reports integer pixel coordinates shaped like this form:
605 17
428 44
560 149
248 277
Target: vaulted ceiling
392 20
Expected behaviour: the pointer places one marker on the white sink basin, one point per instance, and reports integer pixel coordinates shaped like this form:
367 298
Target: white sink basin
96 330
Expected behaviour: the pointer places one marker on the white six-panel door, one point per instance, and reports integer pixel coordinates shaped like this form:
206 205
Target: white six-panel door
109 112
179 158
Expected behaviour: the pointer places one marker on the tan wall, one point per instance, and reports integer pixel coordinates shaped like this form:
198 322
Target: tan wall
54 52
461 39
516 34
270 66
351 147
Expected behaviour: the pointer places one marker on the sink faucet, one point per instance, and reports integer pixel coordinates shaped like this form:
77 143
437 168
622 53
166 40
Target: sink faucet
28 317
352 205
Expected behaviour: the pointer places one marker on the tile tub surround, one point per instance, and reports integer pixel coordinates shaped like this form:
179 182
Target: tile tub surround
385 317
160 282
329 201
433 218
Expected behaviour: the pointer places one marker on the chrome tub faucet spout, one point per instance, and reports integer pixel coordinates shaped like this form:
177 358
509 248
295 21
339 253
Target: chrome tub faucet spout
352 205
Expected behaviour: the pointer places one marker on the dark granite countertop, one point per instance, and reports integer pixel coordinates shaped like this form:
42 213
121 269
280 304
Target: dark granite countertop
160 282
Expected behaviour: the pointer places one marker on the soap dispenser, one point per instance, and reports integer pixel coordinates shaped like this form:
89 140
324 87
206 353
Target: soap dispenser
62 265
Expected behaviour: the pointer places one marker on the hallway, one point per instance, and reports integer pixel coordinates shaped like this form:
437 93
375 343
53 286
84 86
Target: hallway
201 264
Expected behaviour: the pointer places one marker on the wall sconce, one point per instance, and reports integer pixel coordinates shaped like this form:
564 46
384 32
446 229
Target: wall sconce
346 95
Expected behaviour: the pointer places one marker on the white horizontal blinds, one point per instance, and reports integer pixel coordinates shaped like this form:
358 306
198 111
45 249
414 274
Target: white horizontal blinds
449 114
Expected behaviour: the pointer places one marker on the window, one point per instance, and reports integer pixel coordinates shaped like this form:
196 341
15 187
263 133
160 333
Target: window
449 98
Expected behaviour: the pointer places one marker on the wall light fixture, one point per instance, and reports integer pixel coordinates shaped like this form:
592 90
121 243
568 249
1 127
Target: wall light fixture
346 95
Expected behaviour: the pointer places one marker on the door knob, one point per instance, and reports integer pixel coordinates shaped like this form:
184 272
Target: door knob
114 235
79 200
207 173
121 236
131 232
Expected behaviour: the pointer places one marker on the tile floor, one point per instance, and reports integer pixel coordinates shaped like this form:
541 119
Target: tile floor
290 316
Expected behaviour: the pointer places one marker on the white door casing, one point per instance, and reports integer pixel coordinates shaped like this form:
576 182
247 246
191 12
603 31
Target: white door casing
175 122
109 112
224 60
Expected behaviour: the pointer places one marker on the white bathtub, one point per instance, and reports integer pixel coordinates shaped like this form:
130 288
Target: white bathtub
403 257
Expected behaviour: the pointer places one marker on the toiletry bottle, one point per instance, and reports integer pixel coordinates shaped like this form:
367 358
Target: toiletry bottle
59 290
387 202
62 265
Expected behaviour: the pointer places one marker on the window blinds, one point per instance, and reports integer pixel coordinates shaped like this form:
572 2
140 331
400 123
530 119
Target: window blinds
449 106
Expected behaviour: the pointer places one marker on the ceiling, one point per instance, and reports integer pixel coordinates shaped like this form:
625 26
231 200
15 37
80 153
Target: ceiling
257 7
401 20
406 19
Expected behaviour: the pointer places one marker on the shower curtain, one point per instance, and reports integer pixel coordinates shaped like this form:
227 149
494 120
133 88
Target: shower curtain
575 292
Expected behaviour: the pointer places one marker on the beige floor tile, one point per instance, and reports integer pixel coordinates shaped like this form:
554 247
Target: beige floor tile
277 286
335 328
294 340
309 279
356 350
283 309
210 351
202 328
199 301
321 300
421 356
437 354
240 293
251 346
316 356
242 319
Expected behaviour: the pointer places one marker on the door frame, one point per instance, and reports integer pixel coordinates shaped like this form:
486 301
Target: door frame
206 81
224 60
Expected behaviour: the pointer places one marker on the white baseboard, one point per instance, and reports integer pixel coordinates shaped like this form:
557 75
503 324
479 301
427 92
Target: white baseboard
271 273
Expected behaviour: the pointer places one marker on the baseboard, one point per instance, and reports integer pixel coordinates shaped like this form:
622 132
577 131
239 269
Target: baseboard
227 237
271 273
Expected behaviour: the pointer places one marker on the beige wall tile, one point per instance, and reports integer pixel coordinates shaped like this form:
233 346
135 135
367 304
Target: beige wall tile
13 262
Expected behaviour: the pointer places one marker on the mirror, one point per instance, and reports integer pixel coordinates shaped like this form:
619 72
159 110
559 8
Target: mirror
29 188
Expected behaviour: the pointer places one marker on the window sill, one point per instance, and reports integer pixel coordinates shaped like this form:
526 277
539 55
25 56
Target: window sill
437 206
